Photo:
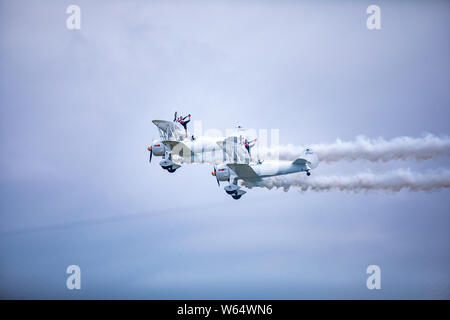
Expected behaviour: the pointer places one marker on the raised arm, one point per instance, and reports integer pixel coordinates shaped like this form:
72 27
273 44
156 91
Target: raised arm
252 143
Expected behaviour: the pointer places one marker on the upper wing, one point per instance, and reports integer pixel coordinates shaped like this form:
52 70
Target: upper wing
234 150
244 171
169 130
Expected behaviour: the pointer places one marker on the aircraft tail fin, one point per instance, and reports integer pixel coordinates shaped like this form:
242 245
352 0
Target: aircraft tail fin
308 159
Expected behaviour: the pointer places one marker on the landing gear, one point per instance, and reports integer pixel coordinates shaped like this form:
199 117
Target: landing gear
234 191
308 173
231 188
169 165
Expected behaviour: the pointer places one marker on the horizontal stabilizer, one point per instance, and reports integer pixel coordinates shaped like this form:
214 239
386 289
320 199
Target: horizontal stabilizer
300 161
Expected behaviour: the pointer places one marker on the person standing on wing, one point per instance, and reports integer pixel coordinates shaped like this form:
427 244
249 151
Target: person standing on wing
183 122
249 145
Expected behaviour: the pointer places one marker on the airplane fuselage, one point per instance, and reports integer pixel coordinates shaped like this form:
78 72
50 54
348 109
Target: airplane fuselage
276 168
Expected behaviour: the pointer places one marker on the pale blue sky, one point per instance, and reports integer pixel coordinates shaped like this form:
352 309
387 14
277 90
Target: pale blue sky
76 111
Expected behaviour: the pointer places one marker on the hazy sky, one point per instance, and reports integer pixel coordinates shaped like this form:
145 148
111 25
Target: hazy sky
77 188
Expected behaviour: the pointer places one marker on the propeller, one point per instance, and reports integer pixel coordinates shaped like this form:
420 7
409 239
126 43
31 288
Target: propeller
214 173
151 153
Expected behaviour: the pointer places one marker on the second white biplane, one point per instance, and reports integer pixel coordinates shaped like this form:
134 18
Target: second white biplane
253 173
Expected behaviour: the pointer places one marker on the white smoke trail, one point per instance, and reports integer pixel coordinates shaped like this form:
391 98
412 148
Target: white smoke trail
400 148
395 181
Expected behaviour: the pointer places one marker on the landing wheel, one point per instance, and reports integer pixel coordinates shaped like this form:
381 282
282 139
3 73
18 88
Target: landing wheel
171 170
308 173
230 192
236 197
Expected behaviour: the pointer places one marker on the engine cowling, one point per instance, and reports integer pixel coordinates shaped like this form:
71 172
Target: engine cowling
158 148
222 173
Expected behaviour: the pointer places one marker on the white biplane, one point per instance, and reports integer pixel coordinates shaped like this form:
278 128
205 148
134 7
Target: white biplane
234 164
174 144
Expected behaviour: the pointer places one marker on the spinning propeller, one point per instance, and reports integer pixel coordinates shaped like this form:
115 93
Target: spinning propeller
150 148
214 173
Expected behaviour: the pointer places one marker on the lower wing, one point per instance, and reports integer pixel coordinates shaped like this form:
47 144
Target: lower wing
244 172
178 148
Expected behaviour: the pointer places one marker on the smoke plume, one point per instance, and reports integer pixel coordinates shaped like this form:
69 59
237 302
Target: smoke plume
392 181
400 148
